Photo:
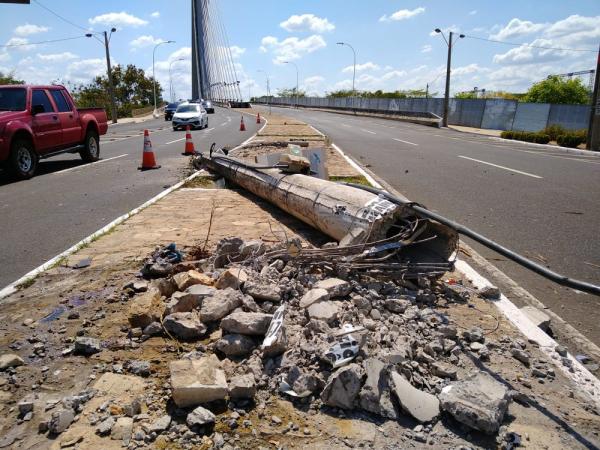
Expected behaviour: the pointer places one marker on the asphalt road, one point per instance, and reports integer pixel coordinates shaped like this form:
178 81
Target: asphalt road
542 203
68 200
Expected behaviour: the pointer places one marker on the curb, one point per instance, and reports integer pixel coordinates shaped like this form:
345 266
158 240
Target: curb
14 286
582 378
574 151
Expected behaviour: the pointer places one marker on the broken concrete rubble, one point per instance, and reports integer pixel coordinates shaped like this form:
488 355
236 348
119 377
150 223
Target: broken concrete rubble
375 394
188 300
250 323
314 296
334 287
8 360
145 309
263 291
235 345
242 386
184 280
197 381
537 316
221 303
87 346
232 278
184 325
327 311
343 387
422 406
200 416
478 401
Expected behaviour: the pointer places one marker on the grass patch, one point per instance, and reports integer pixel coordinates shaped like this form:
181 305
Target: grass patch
199 182
25 284
358 179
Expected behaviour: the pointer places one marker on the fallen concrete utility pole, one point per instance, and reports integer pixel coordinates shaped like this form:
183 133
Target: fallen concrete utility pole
348 215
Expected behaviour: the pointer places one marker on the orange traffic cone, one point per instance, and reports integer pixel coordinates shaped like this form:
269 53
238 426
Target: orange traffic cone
257 117
189 144
242 126
148 161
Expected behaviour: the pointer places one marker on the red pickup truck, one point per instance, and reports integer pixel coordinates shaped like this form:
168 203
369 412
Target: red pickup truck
41 121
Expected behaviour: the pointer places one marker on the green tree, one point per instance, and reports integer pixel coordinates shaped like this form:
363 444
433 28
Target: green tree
554 89
9 78
466 95
133 89
290 92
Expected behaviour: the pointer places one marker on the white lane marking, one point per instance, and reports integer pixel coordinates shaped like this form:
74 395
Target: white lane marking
223 124
90 164
406 142
501 167
368 131
172 142
362 171
346 125
209 129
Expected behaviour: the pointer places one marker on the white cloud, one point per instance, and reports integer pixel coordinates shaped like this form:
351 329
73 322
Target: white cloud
314 80
472 13
19 43
307 22
426 48
155 15
469 69
393 74
361 67
28 29
56 57
517 28
453 28
145 41
117 18
181 73
291 48
85 70
236 51
402 14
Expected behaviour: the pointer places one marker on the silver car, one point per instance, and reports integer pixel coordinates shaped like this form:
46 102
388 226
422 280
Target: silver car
191 114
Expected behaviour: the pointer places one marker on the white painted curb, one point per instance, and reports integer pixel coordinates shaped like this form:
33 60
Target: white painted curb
574 151
13 287
582 378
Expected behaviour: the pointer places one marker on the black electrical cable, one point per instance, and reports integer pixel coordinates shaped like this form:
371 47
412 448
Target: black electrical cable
527 263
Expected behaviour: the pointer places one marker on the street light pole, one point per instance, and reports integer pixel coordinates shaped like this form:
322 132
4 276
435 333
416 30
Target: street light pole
448 65
268 89
170 79
155 113
111 89
353 69
296 66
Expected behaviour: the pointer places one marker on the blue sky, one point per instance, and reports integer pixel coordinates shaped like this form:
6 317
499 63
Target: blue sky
395 46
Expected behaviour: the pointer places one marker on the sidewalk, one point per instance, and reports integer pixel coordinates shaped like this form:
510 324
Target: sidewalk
474 130
41 322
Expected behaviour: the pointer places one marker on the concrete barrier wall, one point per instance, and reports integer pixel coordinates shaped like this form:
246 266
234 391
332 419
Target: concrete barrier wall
495 114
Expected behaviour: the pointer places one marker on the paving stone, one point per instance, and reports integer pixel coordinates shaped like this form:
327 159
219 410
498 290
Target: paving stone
478 401
421 405
197 381
249 323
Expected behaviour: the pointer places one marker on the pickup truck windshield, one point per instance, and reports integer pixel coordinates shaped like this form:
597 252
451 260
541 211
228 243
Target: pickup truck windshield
188 108
12 99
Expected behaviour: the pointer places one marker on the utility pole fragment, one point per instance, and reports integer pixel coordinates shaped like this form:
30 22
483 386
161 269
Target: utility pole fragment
111 90
447 93
593 135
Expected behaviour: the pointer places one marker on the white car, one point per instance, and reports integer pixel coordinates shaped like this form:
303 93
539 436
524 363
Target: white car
191 114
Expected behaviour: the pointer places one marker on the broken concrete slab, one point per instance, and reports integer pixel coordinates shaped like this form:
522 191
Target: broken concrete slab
184 325
263 291
188 300
375 394
334 286
327 311
397 305
161 424
228 250
10 360
87 346
252 248
249 323
478 401
343 387
537 316
233 278
235 345
145 309
242 386
197 381
314 296
199 417
421 405
60 420
221 303
184 280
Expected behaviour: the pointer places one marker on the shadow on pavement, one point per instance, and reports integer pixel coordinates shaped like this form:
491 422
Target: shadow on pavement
45 167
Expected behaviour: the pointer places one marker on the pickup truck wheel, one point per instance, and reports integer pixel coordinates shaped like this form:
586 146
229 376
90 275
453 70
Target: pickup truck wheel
23 159
91 147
